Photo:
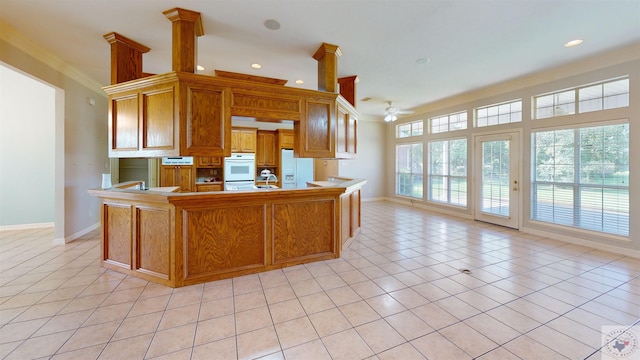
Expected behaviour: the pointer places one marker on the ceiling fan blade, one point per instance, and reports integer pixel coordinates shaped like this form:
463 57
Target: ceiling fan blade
405 112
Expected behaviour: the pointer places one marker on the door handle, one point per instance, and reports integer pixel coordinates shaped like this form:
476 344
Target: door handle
515 185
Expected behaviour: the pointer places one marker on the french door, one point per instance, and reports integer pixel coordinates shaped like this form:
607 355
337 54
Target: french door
496 179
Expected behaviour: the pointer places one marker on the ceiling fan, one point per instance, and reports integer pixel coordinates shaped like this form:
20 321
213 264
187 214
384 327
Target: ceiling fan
391 112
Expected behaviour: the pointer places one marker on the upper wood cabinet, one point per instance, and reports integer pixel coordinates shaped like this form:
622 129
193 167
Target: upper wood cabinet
184 114
208 161
266 151
243 140
346 130
285 139
174 114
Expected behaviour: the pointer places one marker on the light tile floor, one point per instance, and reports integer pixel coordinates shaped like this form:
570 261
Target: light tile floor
397 293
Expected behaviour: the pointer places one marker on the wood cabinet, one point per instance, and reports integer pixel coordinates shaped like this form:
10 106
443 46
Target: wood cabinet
243 140
346 130
266 151
209 187
182 176
173 114
208 162
285 139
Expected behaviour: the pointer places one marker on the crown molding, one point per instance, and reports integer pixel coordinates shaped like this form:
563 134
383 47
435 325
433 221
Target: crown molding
9 34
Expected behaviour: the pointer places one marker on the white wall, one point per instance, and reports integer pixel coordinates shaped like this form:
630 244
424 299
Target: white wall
27 150
369 163
80 132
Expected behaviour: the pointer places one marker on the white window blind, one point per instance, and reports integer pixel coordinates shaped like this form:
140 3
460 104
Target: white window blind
581 178
447 172
409 170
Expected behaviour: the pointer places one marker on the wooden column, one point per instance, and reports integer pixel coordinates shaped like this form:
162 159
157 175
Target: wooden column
186 27
327 56
126 58
348 88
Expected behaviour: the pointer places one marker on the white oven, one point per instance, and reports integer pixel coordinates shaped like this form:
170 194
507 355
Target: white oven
239 171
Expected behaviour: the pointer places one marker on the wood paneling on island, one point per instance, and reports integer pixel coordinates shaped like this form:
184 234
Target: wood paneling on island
179 239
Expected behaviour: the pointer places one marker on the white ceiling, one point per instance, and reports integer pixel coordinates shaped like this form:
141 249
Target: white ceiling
470 43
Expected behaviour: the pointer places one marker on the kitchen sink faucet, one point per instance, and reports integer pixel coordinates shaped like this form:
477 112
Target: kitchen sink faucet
268 177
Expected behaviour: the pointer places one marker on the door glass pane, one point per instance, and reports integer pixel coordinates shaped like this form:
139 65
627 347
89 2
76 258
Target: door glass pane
495 177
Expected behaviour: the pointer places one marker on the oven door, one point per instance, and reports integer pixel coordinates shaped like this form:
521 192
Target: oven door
239 169
239 185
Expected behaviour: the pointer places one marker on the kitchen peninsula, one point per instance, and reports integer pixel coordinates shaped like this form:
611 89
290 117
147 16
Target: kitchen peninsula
184 238
178 239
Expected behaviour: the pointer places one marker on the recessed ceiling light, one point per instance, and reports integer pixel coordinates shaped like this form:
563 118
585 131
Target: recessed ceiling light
272 24
299 82
423 61
200 67
256 66
575 42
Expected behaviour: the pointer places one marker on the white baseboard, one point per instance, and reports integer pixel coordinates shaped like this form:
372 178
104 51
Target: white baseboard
26 226
588 243
70 238
373 199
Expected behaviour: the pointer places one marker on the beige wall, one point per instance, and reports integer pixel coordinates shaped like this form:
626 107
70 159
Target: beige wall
621 62
83 154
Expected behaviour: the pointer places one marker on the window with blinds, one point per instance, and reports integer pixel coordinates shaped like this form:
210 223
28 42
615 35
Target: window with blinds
414 128
450 122
580 178
499 114
447 172
409 170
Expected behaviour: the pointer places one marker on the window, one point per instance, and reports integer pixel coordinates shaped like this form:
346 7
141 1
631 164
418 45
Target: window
610 95
580 178
602 96
499 114
447 173
409 129
409 170
558 104
451 122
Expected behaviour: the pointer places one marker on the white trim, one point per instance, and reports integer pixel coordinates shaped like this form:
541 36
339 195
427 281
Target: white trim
26 226
592 244
421 206
70 238
372 199
16 39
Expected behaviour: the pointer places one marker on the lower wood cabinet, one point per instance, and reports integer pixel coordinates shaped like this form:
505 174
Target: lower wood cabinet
209 187
182 176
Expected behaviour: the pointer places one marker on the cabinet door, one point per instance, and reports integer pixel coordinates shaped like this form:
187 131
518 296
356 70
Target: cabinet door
248 141
235 141
208 161
265 152
185 178
168 176
285 139
270 149
316 136
206 120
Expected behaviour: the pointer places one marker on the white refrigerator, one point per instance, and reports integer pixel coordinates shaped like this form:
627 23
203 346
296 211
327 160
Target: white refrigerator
295 171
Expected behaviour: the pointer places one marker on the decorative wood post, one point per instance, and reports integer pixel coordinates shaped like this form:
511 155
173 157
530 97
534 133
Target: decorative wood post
126 58
186 27
348 88
327 56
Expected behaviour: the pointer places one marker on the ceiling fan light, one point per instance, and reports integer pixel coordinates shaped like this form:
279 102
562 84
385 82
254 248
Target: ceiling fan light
390 117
